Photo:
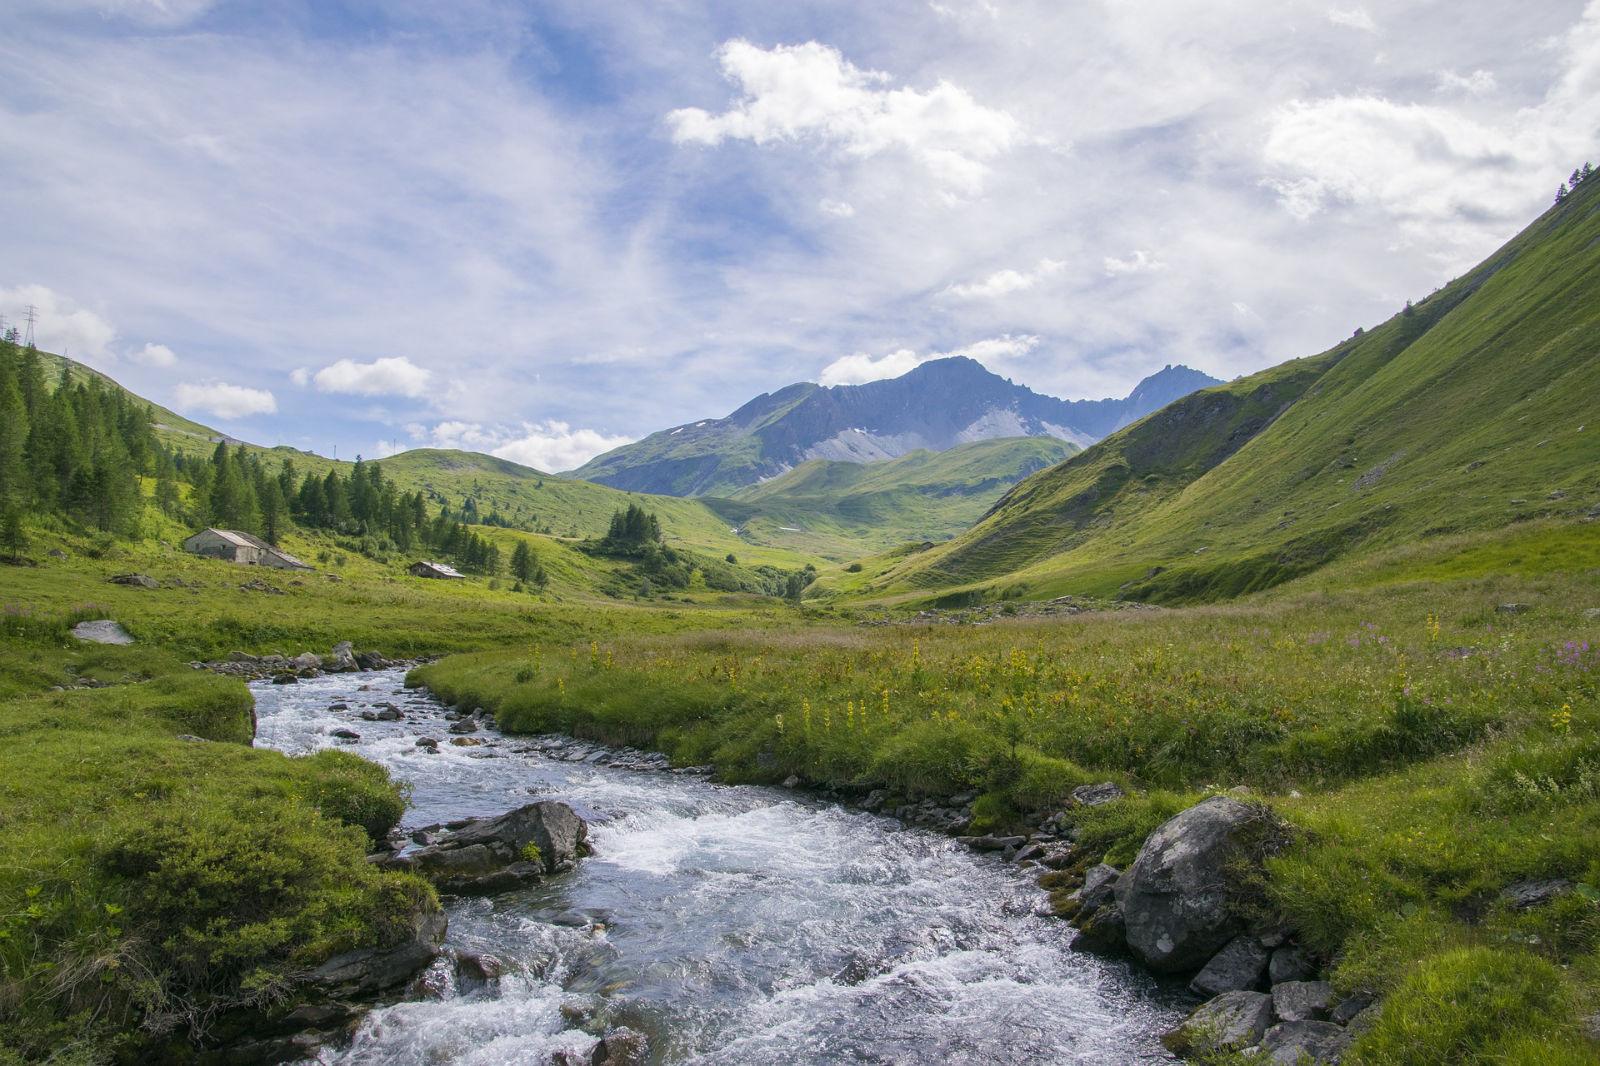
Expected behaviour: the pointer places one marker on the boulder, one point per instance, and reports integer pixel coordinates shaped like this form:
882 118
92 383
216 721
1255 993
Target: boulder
1101 933
1302 1001
1512 608
481 856
138 581
1095 795
1349 1008
1525 895
1099 888
621 1047
1302 1043
385 712
465 725
102 631
368 970
993 843
1593 613
343 659
344 734
1231 1022
1177 897
1289 964
1238 967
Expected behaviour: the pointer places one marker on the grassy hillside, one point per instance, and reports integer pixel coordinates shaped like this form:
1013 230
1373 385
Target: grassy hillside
842 510
1472 410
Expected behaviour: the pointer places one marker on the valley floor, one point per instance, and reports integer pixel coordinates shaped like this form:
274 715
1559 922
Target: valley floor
1432 742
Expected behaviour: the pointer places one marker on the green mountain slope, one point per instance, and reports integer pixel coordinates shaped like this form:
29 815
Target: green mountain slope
840 509
1477 408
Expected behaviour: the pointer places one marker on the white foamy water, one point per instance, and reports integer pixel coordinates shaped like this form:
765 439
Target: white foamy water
732 924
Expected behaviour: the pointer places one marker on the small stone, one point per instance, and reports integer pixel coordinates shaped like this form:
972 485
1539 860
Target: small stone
465 742
138 581
1238 967
1512 608
345 734
1099 888
1349 1007
1095 795
792 781
993 843
1525 895
427 742
1231 1022
1299 1043
621 1047
1592 614
1302 1001
466 725
103 631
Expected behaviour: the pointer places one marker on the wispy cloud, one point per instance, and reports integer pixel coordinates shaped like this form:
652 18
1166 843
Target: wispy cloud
225 401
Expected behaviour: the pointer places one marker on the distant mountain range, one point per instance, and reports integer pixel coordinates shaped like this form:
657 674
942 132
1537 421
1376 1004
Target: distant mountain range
938 405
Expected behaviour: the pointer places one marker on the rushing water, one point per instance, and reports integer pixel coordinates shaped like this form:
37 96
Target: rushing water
732 924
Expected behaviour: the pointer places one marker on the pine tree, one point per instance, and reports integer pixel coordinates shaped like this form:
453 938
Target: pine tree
16 484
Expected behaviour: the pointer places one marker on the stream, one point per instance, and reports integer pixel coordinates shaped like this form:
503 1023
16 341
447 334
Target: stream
732 924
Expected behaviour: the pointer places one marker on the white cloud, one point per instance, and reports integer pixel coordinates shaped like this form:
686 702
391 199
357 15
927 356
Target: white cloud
1005 282
835 208
390 376
1137 263
156 355
810 91
60 325
300 376
1355 18
996 353
860 367
1478 83
226 401
551 445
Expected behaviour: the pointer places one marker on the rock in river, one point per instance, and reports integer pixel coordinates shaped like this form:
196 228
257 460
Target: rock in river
487 855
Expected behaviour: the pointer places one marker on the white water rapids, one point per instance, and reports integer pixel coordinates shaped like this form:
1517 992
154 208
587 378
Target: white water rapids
732 924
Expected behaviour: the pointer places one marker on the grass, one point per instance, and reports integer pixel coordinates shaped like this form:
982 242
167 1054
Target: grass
152 886
1428 749
1472 412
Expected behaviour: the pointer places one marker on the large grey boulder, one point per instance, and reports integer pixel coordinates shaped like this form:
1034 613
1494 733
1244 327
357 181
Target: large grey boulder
367 970
1239 966
1231 1022
1300 1043
480 856
1177 896
102 631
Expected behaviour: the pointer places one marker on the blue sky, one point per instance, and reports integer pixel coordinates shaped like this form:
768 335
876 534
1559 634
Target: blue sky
541 229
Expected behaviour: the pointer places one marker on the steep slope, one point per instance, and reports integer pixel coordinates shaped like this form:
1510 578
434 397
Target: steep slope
844 510
936 406
1475 409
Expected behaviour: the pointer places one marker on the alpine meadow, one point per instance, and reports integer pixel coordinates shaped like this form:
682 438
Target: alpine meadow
1060 653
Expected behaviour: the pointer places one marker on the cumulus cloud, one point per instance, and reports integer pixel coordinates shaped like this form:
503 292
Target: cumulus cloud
158 355
1005 282
550 445
1137 263
390 376
300 376
811 91
1355 18
61 325
1478 83
226 401
996 353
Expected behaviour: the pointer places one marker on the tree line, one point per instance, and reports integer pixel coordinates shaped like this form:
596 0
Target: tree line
76 448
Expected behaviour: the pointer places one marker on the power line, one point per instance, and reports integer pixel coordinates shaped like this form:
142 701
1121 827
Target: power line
31 316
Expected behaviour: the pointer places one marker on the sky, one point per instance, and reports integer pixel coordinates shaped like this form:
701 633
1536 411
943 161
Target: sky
544 229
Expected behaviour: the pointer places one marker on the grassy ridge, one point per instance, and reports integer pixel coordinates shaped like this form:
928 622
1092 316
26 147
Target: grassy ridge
1471 410
1430 749
840 510
153 884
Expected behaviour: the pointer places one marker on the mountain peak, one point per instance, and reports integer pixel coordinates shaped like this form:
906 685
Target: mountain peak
934 406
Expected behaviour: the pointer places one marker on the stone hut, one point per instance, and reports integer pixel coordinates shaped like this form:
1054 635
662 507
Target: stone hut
437 570
230 545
